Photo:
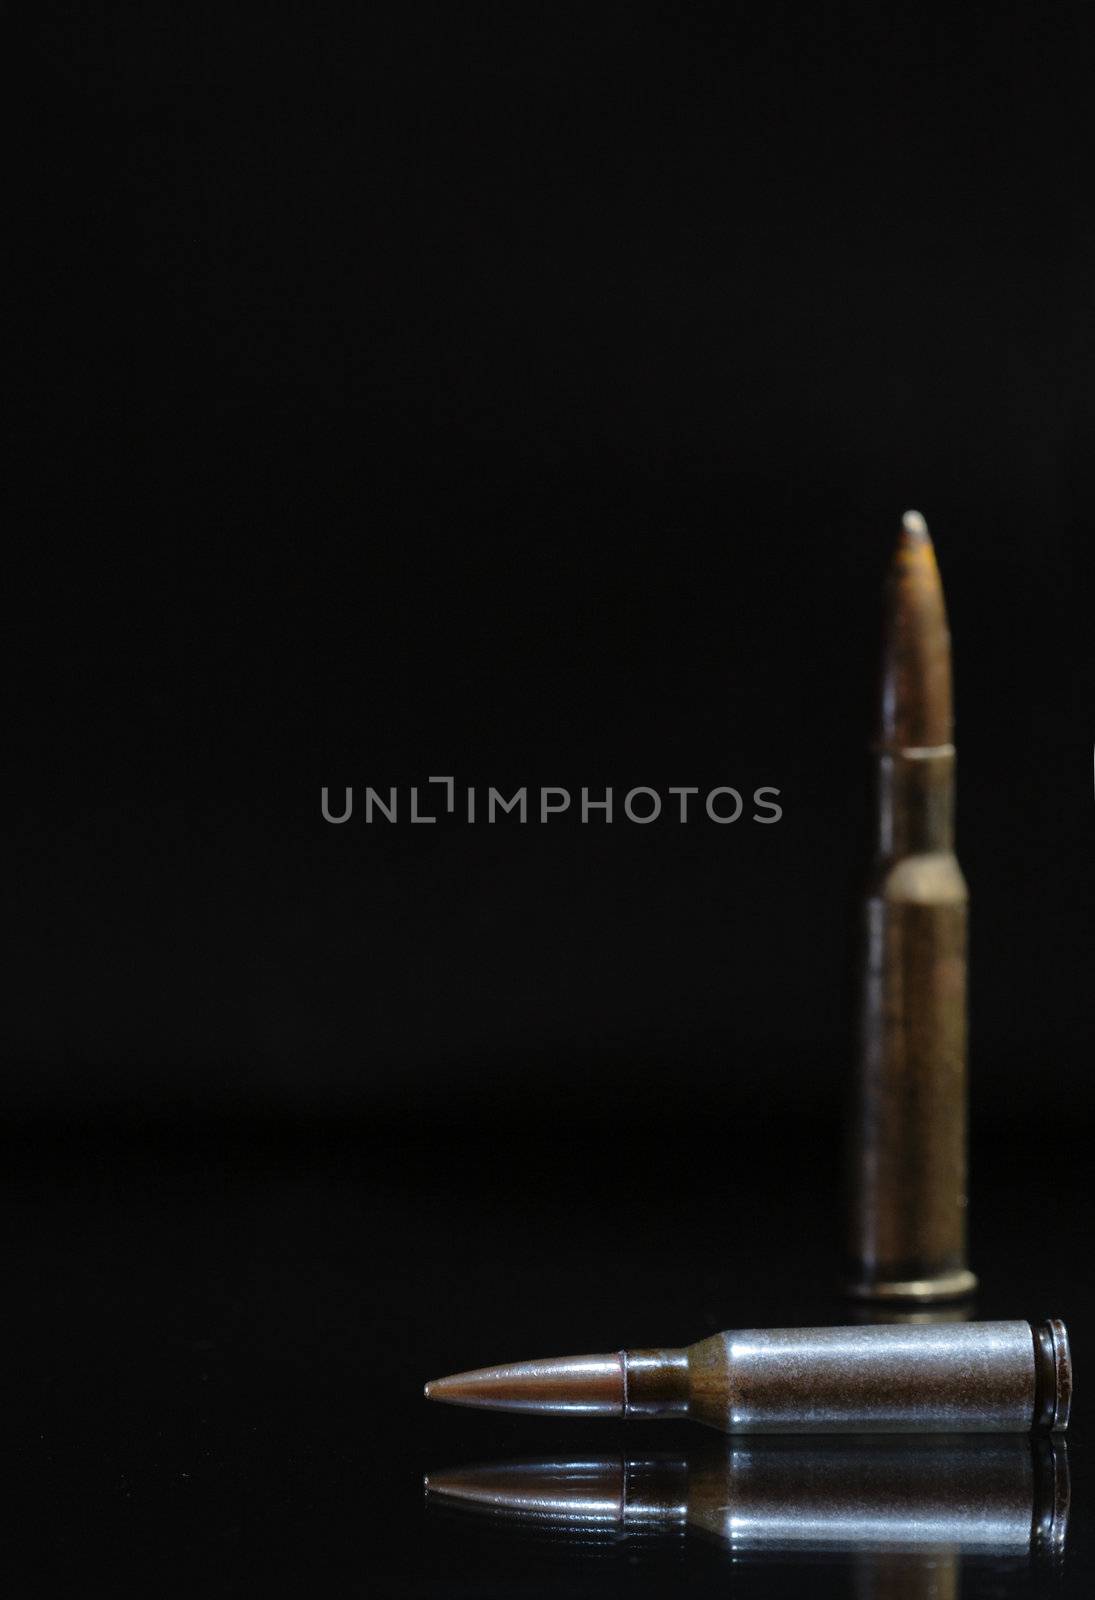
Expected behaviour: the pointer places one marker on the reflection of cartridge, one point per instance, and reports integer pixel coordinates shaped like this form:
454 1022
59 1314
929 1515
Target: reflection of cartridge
1000 1497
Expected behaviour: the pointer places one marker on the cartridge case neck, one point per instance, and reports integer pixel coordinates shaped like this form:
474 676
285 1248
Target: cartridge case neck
915 801
656 1383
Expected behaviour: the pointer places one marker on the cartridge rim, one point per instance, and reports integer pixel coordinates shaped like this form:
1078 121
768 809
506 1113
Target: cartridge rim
1053 1371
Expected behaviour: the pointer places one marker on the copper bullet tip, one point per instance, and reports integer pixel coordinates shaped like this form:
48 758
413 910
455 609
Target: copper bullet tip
556 1386
915 702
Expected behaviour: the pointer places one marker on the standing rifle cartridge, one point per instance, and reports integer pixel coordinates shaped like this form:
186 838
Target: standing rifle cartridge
971 1377
908 1158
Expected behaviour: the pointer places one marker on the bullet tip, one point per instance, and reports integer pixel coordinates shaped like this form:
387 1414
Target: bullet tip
914 526
426 1391
593 1385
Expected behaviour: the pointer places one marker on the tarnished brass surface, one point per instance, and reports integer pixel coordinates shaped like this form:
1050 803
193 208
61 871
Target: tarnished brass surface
908 1136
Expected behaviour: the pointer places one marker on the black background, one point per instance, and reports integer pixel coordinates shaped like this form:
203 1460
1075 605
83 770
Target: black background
529 394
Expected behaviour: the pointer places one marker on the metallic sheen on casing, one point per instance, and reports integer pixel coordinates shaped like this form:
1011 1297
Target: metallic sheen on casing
968 1377
976 1377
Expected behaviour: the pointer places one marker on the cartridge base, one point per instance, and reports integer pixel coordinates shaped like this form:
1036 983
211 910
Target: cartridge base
954 1285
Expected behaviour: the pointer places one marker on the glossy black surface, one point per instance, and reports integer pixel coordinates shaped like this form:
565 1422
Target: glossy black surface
527 395
217 1339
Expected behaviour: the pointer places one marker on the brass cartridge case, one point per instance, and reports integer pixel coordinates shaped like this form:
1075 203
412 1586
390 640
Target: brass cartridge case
909 1138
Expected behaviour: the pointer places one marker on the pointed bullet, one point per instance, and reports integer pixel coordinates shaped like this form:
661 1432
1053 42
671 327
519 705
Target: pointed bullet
570 1385
916 709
